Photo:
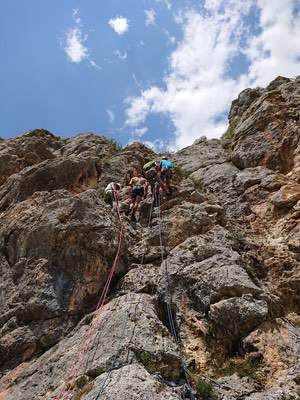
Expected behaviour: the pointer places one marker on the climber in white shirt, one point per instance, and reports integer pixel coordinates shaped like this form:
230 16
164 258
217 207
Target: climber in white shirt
111 193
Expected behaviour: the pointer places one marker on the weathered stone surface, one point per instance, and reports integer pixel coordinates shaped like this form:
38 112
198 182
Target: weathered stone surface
279 342
56 252
238 315
130 382
230 243
89 145
201 154
264 126
29 149
209 270
256 176
74 174
215 177
185 220
287 196
235 387
126 331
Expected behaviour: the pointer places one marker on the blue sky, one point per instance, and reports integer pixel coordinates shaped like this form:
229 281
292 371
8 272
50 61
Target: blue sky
160 71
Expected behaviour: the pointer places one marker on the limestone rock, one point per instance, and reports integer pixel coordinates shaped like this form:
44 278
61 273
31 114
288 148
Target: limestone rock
264 126
200 155
238 315
26 150
213 277
125 332
208 268
55 257
130 382
88 144
74 174
287 196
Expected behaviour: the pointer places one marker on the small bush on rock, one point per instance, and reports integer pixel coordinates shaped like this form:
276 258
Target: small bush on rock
241 367
147 361
205 391
116 145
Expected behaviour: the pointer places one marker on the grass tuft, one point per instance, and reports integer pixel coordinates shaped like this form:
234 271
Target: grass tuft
205 391
148 362
116 145
241 367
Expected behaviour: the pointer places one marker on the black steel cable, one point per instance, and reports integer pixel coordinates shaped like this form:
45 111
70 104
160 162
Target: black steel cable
171 319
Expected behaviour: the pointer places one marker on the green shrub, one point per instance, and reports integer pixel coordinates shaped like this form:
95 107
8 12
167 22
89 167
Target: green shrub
106 162
230 133
250 270
179 172
195 252
230 136
148 362
116 145
205 391
210 330
241 367
79 393
198 184
81 381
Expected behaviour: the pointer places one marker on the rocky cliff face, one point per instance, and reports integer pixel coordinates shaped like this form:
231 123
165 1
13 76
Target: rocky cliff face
231 240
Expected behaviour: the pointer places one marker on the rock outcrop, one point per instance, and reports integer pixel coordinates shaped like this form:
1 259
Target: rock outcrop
229 235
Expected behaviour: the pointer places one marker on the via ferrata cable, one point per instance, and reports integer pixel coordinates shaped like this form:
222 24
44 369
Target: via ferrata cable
171 319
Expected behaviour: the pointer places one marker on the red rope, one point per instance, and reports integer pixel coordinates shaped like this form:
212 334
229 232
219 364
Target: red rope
65 394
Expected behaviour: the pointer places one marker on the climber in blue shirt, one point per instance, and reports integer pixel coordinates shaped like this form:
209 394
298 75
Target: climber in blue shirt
166 166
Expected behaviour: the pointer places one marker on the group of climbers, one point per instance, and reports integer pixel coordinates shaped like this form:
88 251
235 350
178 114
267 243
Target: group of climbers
156 175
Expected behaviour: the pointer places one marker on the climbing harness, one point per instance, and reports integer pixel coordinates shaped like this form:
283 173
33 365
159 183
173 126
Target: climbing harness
171 319
65 394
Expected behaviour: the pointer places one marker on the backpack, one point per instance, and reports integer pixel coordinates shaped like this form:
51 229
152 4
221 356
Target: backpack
149 165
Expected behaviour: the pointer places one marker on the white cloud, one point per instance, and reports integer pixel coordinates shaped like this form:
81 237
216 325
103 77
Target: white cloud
76 16
139 132
171 39
135 80
94 64
196 91
167 3
156 145
121 56
213 5
276 50
198 88
75 47
139 108
75 43
150 17
111 115
119 25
